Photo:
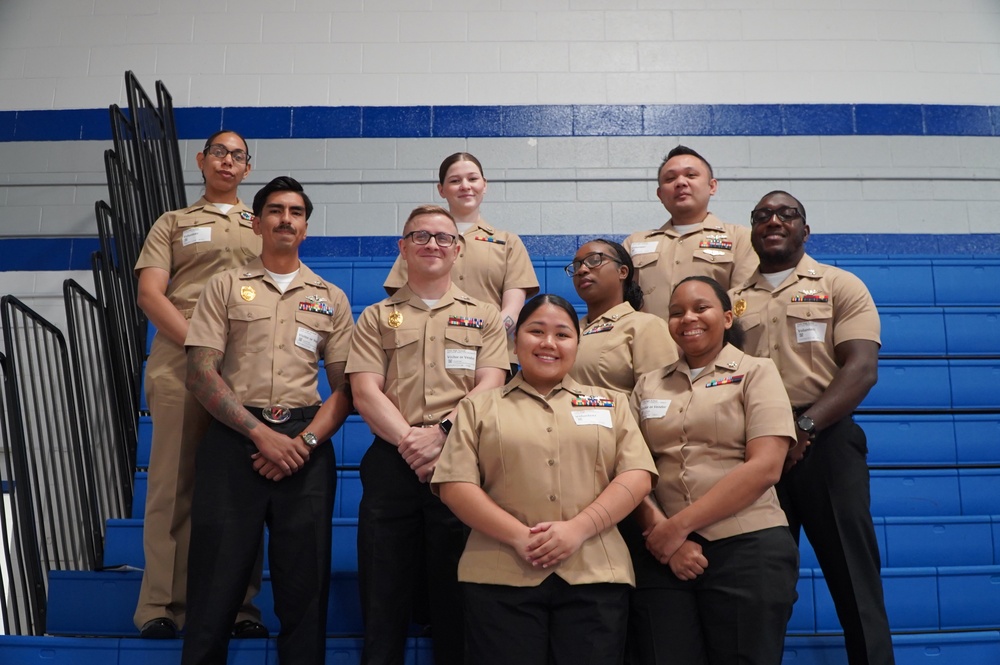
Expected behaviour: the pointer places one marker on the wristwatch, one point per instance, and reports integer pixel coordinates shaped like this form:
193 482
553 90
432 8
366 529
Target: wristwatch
309 438
806 424
445 426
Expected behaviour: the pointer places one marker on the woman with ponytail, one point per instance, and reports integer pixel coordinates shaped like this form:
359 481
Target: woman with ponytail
619 343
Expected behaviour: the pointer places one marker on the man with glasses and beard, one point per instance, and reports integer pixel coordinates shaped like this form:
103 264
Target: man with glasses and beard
414 355
820 327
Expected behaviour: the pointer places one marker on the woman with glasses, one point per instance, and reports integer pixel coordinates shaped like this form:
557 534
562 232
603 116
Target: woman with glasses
183 249
541 470
716 581
492 265
619 343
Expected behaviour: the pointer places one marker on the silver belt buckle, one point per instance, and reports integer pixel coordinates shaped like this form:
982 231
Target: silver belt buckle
276 414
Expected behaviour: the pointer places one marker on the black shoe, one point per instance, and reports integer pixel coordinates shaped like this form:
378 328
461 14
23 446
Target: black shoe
248 629
160 628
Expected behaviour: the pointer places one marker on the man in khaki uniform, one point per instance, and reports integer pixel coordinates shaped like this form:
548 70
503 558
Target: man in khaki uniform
413 357
820 327
693 241
254 346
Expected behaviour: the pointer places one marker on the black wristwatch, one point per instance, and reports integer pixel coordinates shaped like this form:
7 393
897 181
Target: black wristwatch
807 425
445 426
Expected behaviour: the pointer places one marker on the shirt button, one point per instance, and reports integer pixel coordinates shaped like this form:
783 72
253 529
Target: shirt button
461 277
548 429
677 263
433 337
431 365
552 497
281 346
248 315
228 250
552 462
774 319
430 392
281 371
281 320
775 347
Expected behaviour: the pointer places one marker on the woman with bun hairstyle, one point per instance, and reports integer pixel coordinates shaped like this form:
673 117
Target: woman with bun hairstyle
493 265
716 581
182 250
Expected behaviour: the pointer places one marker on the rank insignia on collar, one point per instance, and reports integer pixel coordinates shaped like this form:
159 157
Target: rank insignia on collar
248 216
604 327
247 293
395 319
490 239
465 322
724 381
810 272
592 400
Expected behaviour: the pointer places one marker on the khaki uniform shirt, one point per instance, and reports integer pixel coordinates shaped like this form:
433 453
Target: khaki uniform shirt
698 431
620 346
272 341
489 262
428 356
663 257
543 459
195 243
799 324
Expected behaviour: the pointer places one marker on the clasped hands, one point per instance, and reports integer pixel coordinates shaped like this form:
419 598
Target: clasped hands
670 546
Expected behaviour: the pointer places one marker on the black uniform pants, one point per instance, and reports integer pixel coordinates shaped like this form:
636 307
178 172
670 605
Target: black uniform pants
737 611
828 494
554 623
409 544
232 503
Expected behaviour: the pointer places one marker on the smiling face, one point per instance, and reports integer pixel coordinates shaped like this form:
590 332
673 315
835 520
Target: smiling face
602 284
697 322
685 188
463 188
430 260
780 245
223 176
546 343
282 222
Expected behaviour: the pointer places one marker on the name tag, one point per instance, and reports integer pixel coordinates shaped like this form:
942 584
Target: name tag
600 417
307 339
810 331
460 359
653 408
197 234
647 247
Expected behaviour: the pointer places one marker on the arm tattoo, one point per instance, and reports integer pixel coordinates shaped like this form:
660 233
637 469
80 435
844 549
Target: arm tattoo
508 323
204 380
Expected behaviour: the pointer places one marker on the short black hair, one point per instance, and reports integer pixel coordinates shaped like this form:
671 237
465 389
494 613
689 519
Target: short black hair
799 205
282 183
684 150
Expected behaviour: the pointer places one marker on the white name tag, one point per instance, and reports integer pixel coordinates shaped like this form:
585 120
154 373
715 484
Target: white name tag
596 416
307 339
197 234
460 359
644 247
653 408
810 331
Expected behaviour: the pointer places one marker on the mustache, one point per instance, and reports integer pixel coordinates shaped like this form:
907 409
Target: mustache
284 227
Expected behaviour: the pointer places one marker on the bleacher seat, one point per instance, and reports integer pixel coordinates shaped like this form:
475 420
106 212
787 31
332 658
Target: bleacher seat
966 282
905 439
912 330
911 384
977 438
896 282
915 492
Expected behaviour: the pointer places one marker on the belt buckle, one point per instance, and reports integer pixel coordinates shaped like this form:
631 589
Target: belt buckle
276 414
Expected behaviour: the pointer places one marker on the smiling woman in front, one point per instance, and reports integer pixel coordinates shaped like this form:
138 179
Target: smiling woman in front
716 581
542 470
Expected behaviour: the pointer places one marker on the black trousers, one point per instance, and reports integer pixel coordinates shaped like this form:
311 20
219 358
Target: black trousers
231 505
553 623
828 494
409 545
737 611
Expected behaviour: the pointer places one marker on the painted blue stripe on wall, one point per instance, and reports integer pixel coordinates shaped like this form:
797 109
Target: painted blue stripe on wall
537 120
50 254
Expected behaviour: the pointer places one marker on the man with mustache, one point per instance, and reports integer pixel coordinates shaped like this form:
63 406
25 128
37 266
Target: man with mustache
254 346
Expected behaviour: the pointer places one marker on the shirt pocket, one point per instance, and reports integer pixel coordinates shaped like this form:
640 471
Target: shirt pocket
313 324
724 257
809 322
194 236
250 328
461 349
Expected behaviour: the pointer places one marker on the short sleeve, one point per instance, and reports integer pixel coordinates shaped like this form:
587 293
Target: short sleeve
366 354
209 325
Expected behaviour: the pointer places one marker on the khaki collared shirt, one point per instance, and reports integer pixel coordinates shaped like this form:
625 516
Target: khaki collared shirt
698 431
799 324
272 341
543 459
428 356
663 257
195 243
621 345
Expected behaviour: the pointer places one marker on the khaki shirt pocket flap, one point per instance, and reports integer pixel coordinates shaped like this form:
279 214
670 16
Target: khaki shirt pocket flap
249 313
464 336
315 320
399 338
643 260
809 311
750 321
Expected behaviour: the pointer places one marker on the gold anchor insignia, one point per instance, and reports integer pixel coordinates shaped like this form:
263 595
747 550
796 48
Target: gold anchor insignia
247 293
395 319
739 307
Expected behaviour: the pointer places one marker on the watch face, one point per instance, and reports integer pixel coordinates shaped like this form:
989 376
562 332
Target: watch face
806 424
310 439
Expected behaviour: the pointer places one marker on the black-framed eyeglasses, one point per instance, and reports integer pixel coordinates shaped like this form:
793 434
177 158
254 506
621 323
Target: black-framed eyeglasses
785 214
220 151
423 237
591 260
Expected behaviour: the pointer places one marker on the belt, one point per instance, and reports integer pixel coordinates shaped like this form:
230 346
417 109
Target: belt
300 413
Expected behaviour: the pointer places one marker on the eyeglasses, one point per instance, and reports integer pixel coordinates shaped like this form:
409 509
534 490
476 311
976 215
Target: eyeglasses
591 260
423 237
220 151
786 214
